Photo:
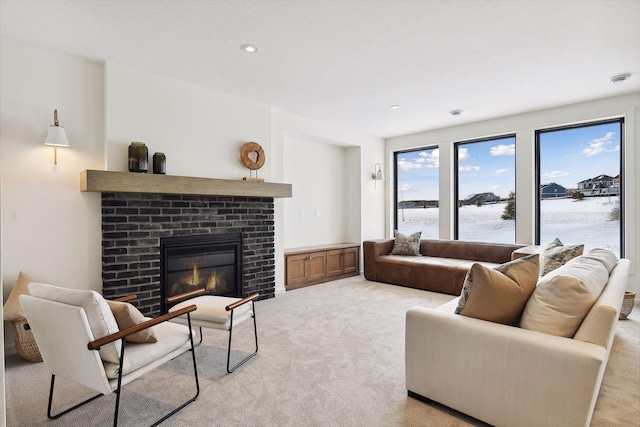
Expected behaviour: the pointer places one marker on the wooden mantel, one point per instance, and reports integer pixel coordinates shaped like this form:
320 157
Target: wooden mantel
128 182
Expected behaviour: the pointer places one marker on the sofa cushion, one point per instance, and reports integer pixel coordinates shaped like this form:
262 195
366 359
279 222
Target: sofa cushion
606 257
406 245
12 309
171 336
499 294
564 297
127 316
99 315
557 254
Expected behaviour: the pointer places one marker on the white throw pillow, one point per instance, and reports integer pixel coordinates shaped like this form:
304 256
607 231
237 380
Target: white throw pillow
101 319
563 297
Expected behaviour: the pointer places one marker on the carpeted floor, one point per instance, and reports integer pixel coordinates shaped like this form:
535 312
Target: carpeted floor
330 355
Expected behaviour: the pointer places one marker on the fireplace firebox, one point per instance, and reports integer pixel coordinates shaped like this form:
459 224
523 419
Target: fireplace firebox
212 262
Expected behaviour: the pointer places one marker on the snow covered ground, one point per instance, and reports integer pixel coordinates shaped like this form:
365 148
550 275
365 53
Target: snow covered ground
573 222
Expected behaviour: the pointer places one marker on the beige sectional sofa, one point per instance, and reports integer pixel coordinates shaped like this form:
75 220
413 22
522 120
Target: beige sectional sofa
510 376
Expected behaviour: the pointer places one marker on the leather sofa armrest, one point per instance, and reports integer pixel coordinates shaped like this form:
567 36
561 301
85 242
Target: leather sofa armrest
371 250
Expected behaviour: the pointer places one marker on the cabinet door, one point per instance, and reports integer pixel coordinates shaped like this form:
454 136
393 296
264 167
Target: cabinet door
316 265
351 260
296 271
334 262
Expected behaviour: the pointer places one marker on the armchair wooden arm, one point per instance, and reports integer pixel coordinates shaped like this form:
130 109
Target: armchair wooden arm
185 295
96 344
125 298
242 302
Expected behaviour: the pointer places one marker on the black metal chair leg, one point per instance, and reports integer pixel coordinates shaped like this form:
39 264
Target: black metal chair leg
255 330
54 417
199 342
195 373
118 389
120 369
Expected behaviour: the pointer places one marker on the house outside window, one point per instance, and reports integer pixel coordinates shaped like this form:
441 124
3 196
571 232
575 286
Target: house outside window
584 161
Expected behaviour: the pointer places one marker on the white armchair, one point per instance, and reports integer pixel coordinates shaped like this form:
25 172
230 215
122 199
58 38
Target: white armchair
79 340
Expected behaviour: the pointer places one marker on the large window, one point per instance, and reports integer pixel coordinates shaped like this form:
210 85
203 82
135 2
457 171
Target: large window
485 190
580 185
417 192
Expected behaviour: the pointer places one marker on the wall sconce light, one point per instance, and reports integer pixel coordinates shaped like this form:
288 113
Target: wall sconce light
56 136
377 174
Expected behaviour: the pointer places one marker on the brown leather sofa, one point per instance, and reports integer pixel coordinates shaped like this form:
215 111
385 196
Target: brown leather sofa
441 266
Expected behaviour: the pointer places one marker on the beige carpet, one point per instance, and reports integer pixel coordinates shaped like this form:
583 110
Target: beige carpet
330 355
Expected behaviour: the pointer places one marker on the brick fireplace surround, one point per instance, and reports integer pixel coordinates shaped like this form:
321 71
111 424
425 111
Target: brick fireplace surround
133 223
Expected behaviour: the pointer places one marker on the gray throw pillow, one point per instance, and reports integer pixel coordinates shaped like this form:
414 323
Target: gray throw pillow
556 255
406 245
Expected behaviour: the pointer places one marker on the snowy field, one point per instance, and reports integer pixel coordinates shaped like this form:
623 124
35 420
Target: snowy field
585 221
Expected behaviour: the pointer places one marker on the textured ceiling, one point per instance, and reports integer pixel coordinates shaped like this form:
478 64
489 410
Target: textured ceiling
346 61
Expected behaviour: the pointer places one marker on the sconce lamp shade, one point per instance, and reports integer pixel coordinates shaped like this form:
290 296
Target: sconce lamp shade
377 174
56 136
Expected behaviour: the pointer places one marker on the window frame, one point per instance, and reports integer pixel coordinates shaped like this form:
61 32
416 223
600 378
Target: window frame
456 170
537 181
396 182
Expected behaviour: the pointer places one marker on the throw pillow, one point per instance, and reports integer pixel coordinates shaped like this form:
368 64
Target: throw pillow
556 255
406 245
563 297
99 316
499 294
126 316
12 309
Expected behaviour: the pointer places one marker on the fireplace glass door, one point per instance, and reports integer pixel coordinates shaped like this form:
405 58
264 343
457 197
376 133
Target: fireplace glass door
210 262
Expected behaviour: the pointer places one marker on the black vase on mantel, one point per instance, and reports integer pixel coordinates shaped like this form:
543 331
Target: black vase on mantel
138 157
159 163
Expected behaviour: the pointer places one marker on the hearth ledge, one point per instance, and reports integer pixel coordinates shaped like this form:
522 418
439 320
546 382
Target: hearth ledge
127 182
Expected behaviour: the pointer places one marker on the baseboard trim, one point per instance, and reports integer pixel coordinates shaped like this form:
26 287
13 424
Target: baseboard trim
418 397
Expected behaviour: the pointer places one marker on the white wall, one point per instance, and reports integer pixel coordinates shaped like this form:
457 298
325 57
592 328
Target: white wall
317 212
362 216
201 131
50 229
524 126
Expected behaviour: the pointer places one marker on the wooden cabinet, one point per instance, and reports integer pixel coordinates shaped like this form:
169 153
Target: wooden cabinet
303 268
343 261
317 264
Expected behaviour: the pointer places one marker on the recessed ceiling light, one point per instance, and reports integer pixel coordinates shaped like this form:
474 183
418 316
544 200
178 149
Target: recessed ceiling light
249 48
620 78
455 112
395 107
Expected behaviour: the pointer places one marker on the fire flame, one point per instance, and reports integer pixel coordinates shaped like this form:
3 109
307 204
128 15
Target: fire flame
211 284
196 278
